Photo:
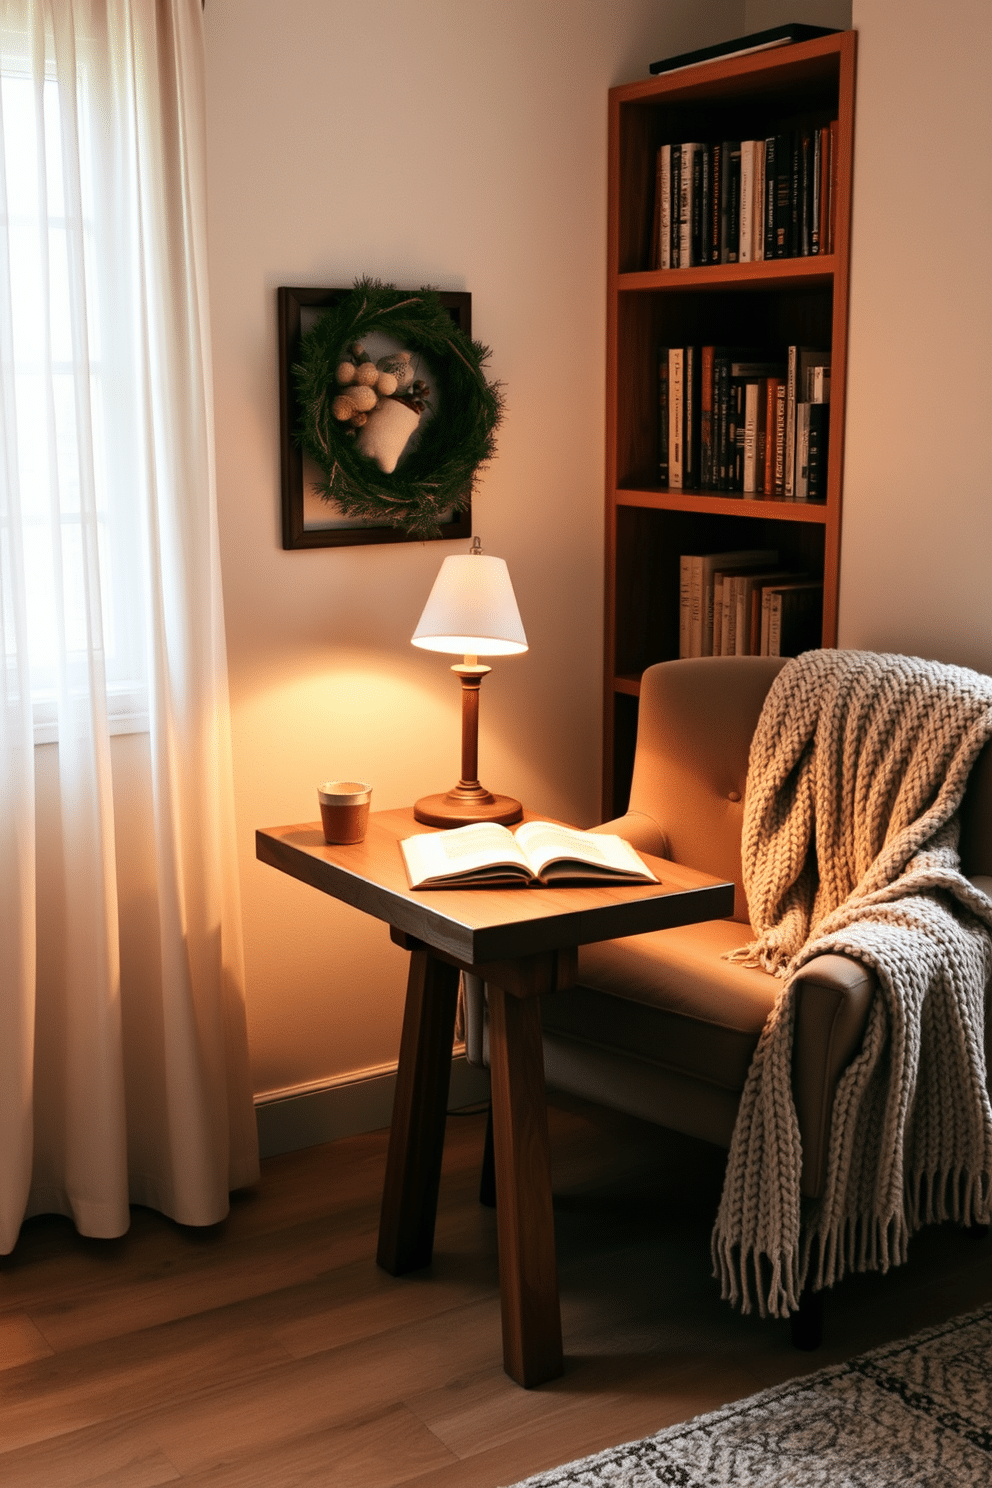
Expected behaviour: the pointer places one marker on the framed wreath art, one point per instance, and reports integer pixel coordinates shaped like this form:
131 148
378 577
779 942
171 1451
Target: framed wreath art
386 414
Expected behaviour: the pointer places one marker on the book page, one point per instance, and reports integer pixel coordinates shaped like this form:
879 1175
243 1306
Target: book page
546 842
432 855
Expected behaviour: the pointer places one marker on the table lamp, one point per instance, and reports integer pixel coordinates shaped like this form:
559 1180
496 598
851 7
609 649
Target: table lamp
471 611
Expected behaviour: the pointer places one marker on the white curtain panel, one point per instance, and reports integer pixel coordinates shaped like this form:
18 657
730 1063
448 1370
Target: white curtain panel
123 1076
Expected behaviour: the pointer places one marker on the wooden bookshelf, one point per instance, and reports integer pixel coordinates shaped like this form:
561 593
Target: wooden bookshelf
769 304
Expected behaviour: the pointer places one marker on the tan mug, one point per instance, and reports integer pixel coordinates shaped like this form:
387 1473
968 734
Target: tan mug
344 809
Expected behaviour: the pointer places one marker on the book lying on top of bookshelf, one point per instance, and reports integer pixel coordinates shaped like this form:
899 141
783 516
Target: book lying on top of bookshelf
744 201
733 420
757 41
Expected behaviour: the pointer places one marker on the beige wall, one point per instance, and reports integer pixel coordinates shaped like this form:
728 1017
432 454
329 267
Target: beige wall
462 144
916 559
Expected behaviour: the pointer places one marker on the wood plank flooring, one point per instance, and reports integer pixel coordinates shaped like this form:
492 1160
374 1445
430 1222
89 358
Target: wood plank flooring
270 1351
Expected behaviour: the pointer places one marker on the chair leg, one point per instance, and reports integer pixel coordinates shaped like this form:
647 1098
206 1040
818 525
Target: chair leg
487 1178
807 1322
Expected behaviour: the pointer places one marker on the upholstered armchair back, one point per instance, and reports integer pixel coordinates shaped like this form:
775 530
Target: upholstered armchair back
695 723
696 720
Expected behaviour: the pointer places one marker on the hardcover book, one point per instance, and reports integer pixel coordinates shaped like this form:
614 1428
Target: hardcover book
485 855
757 41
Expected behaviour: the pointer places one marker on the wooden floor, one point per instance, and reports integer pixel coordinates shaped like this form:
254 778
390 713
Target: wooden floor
270 1351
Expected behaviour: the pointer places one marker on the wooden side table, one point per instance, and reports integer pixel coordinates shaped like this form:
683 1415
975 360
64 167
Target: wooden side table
523 942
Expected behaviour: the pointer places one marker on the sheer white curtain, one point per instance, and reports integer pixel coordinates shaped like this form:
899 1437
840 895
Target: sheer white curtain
123 1078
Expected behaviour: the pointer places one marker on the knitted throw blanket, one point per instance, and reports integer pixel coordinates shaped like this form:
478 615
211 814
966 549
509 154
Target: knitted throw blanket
857 769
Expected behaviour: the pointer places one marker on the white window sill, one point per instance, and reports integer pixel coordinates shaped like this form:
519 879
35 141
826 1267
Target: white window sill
127 710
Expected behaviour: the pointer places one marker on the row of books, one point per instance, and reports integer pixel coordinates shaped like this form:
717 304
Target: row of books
741 421
744 603
740 201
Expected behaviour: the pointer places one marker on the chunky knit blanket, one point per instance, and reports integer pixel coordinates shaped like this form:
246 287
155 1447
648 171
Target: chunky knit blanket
857 769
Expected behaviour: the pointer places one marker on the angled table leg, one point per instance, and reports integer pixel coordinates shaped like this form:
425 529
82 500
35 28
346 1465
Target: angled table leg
416 1138
528 1270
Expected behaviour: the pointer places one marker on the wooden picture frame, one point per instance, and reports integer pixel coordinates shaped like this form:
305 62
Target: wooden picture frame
300 520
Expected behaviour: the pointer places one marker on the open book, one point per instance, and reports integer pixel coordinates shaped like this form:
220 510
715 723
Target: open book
538 852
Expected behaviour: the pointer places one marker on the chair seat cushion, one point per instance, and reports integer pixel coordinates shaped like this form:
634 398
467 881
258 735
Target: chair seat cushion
670 998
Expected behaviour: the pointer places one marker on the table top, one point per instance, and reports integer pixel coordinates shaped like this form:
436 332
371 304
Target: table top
483 925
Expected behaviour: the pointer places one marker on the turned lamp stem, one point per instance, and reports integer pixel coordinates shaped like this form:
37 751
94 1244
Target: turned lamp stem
471 609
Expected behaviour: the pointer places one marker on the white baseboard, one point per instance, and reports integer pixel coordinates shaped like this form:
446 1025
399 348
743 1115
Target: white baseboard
306 1115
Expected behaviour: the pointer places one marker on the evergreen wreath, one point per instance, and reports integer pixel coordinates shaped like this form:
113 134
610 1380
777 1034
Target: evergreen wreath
438 474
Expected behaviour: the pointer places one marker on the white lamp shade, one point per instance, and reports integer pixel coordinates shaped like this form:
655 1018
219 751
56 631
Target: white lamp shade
472 609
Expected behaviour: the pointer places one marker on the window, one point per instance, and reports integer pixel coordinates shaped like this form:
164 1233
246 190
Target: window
74 446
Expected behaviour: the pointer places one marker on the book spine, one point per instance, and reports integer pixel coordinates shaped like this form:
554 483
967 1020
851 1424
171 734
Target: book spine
718 581
734 203
819 429
654 256
676 415
707 569
766 601
817 169
832 205
825 190
725 152
775 622
771 188
695 606
716 165
663 416
721 380
790 424
665 204
685 207
729 618
754 623
752 394
805 194
783 183
795 195
691 422
778 488
685 606
802 451
706 421
771 404
698 204
675 170
742 623
746 236
758 230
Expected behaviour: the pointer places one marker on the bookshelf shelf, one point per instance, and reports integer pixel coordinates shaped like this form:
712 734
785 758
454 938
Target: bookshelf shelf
812 272
768 305
724 506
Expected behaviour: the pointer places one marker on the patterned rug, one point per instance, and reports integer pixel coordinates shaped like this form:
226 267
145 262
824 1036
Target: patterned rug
915 1414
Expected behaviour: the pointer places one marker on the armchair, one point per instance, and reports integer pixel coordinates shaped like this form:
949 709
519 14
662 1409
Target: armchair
659 1025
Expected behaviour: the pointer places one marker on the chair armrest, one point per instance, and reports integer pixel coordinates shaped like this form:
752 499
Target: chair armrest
640 830
833 997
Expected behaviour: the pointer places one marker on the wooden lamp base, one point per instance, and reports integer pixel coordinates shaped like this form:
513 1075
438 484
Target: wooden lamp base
468 801
460 809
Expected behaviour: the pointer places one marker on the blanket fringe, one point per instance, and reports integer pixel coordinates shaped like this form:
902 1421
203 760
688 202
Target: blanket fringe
752 1278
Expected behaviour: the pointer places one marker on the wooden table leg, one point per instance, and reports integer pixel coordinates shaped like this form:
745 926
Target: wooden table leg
528 1270
416 1137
